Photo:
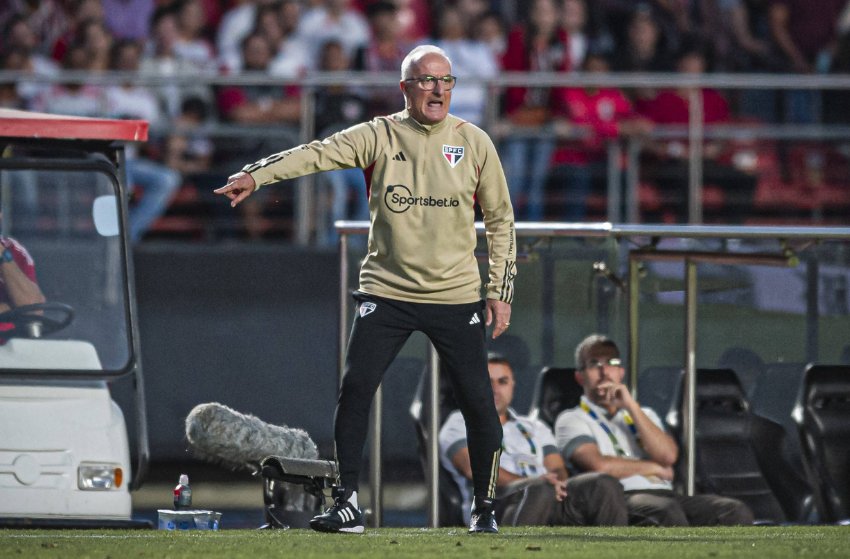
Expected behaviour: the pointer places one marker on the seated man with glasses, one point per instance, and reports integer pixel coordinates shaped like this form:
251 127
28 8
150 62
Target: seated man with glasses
533 485
609 432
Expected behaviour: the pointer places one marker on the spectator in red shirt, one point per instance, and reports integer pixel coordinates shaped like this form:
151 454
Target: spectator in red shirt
603 114
537 46
668 164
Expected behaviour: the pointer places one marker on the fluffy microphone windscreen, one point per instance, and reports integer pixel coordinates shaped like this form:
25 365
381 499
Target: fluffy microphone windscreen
220 434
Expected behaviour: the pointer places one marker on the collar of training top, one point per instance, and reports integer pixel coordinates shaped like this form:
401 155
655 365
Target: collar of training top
425 128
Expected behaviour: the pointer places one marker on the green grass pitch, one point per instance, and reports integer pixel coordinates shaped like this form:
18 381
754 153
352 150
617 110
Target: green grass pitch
762 542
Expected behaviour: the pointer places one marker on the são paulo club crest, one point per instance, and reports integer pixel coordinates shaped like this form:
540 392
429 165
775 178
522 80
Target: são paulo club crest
453 154
367 308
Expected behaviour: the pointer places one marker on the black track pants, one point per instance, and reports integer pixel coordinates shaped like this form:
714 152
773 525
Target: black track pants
381 327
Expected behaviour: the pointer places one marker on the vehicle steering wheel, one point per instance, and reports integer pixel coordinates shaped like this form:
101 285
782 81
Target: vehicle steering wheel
32 321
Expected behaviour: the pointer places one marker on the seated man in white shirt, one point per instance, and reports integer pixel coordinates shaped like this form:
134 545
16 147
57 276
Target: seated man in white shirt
609 432
533 487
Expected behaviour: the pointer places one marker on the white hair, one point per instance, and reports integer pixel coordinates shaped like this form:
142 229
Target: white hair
417 54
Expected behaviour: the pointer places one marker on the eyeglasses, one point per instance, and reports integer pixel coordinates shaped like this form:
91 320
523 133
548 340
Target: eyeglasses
428 82
596 363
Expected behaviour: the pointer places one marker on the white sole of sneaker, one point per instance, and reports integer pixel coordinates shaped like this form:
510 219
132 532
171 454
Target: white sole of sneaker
354 530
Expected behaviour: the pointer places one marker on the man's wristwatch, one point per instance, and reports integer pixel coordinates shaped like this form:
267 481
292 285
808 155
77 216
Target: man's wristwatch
7 256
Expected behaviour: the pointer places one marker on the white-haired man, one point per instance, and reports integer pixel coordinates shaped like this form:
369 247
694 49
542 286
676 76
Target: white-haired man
425 171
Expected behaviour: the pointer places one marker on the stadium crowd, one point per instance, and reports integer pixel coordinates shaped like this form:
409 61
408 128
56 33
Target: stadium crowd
552 140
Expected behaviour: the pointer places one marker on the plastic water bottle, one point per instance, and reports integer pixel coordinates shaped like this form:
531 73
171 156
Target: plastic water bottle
183 494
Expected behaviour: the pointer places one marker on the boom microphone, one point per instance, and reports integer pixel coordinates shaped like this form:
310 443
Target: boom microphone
220 434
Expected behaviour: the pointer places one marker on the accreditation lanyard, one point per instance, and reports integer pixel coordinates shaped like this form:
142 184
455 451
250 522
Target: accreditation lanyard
527 436
626 418
533 447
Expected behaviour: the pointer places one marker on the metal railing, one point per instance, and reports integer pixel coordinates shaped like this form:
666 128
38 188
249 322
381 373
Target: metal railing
308 214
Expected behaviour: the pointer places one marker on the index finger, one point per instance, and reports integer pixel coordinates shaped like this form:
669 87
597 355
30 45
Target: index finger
232 184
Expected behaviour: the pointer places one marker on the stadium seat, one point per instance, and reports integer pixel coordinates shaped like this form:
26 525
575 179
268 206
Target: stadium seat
823 414
746 363
774 396
736 451
771 398
789 485
450 499
556 390
659 388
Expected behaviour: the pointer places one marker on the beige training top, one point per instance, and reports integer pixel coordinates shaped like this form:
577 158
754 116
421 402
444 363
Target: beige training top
422 182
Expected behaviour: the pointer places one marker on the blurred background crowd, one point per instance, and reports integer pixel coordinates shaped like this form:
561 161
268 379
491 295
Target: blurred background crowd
221 83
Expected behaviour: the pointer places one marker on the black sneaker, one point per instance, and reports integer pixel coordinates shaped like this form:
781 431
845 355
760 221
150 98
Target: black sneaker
342 516
483 518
